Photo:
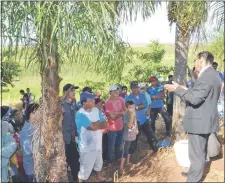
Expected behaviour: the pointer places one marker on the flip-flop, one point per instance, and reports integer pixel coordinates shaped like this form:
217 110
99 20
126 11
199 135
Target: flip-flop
107 180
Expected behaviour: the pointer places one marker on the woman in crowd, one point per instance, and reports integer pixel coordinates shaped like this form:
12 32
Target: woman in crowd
8 148
26 136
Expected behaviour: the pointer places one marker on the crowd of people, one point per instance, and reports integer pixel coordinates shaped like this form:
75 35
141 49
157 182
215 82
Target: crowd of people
94 131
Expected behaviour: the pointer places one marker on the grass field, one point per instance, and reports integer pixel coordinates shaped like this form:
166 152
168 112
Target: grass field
72 73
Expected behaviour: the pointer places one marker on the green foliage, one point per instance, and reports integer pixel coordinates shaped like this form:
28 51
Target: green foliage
96 86
218 9
190 14
9 71
217 48
75 32
156 52
73 73
150 64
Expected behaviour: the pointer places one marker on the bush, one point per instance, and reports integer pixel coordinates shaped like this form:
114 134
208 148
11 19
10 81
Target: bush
9 71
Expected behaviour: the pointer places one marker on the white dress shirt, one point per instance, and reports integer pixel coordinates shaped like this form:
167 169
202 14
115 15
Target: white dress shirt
200 73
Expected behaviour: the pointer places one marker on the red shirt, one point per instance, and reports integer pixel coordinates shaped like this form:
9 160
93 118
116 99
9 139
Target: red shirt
114 106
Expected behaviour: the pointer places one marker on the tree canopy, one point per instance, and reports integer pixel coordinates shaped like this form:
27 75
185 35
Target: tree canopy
79 31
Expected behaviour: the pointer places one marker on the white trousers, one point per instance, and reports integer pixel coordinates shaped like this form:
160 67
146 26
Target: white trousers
88 162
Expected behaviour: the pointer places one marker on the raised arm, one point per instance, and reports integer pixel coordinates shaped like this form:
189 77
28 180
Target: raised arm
110 114
83 120
128 120
144 104
196 95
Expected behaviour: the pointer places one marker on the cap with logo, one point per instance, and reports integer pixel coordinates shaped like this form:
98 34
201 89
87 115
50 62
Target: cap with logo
134 84
68 87
113 87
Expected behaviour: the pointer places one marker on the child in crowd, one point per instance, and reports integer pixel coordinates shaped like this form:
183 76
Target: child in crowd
130 132
90 122
26 136
100 105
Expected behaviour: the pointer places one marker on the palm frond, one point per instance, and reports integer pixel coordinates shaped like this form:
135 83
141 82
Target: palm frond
73 26
218 11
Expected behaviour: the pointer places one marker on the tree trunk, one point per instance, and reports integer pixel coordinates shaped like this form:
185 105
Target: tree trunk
52 127
181 55
49 150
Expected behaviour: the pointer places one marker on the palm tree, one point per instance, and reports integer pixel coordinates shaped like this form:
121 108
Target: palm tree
190 18
57 31
218 9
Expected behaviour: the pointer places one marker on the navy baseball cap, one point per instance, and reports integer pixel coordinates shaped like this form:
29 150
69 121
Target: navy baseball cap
87 95
68 87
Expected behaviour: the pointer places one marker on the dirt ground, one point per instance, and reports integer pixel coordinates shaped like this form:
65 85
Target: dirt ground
165 169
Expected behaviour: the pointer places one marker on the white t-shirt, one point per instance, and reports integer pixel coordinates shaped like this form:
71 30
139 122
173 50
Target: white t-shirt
31 98
88 140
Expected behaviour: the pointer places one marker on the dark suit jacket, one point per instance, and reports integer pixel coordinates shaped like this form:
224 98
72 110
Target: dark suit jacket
201 116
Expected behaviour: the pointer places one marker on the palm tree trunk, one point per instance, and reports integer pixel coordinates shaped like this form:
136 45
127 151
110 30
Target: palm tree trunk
181 55
50 128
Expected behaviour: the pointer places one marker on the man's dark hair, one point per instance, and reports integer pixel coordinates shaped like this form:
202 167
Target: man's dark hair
28 88
170 76
207 56
129 103
97 100
215 63
124 88
32 108
22 91
88 89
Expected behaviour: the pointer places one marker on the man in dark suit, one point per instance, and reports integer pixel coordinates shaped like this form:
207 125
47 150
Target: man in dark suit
201 117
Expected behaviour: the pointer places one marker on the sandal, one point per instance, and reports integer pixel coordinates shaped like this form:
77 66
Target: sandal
107 179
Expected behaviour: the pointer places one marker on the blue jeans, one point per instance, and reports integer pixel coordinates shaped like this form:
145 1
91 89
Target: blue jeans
30 178
115 139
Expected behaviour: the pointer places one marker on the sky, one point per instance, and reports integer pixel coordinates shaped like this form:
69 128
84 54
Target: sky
154 28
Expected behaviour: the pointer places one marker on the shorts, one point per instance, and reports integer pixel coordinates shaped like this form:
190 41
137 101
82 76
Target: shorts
88 162
126 147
